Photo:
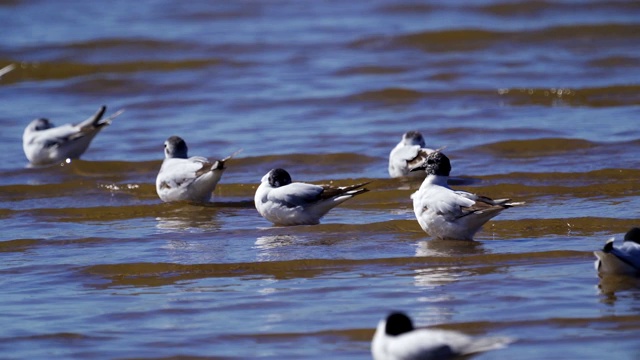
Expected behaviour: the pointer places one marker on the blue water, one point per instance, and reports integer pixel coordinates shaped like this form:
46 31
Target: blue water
536 101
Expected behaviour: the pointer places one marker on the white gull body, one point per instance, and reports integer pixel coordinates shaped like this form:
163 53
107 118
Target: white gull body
183 178
284 202
45 144
622 259
408 152
448 214
396 339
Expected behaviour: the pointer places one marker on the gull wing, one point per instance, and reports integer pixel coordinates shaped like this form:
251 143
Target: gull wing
176 173
296 194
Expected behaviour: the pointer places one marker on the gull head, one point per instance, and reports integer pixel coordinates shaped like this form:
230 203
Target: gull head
436 163
279 177
411 138
41 124
398 323
175 147
633 235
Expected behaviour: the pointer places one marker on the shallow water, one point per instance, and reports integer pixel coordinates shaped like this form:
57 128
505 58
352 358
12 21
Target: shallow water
534 100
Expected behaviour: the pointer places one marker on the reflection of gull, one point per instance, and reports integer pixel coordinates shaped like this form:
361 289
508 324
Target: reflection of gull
610 284
188 218
268 245
396 339
443 248
185 223
192 250
274 241
438 276
431 278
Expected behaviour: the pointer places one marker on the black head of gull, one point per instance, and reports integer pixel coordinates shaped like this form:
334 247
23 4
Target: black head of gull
398 323
436 163
175 147
279 177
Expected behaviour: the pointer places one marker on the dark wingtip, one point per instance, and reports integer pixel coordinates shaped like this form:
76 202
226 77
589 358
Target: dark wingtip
608 246
219 165
358 188
99 114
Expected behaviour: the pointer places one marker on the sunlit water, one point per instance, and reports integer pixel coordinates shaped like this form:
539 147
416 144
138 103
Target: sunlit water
536 101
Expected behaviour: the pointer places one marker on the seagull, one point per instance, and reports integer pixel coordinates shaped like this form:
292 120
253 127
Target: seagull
286 203
183 178
46 144
621 259
409 151
396 339
448 214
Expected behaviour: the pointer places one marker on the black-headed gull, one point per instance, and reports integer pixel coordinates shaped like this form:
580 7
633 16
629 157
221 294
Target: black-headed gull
448 214
46 144
396 339
284 202
409 152
620 259
183 178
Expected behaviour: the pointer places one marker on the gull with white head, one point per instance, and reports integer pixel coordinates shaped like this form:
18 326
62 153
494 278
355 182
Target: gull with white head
410 150
184 178
45 144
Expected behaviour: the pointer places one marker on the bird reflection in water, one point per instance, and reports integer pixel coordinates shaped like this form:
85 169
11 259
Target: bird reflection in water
189 218
267 246
432 279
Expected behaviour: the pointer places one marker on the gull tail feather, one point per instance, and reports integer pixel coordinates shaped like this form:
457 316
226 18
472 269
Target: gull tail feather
342 193
355 189
219 165
7 69
108 120
608 246
511 204
96 120
93 120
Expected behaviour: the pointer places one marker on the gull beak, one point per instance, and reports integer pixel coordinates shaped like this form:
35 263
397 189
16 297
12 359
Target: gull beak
419 167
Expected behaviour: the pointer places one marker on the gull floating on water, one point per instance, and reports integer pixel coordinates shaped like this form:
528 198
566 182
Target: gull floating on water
183 178
46 144
409 152
448 214
621 259
396 339
284 202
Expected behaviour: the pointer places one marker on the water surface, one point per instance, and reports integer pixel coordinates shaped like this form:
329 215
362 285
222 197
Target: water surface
534 100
